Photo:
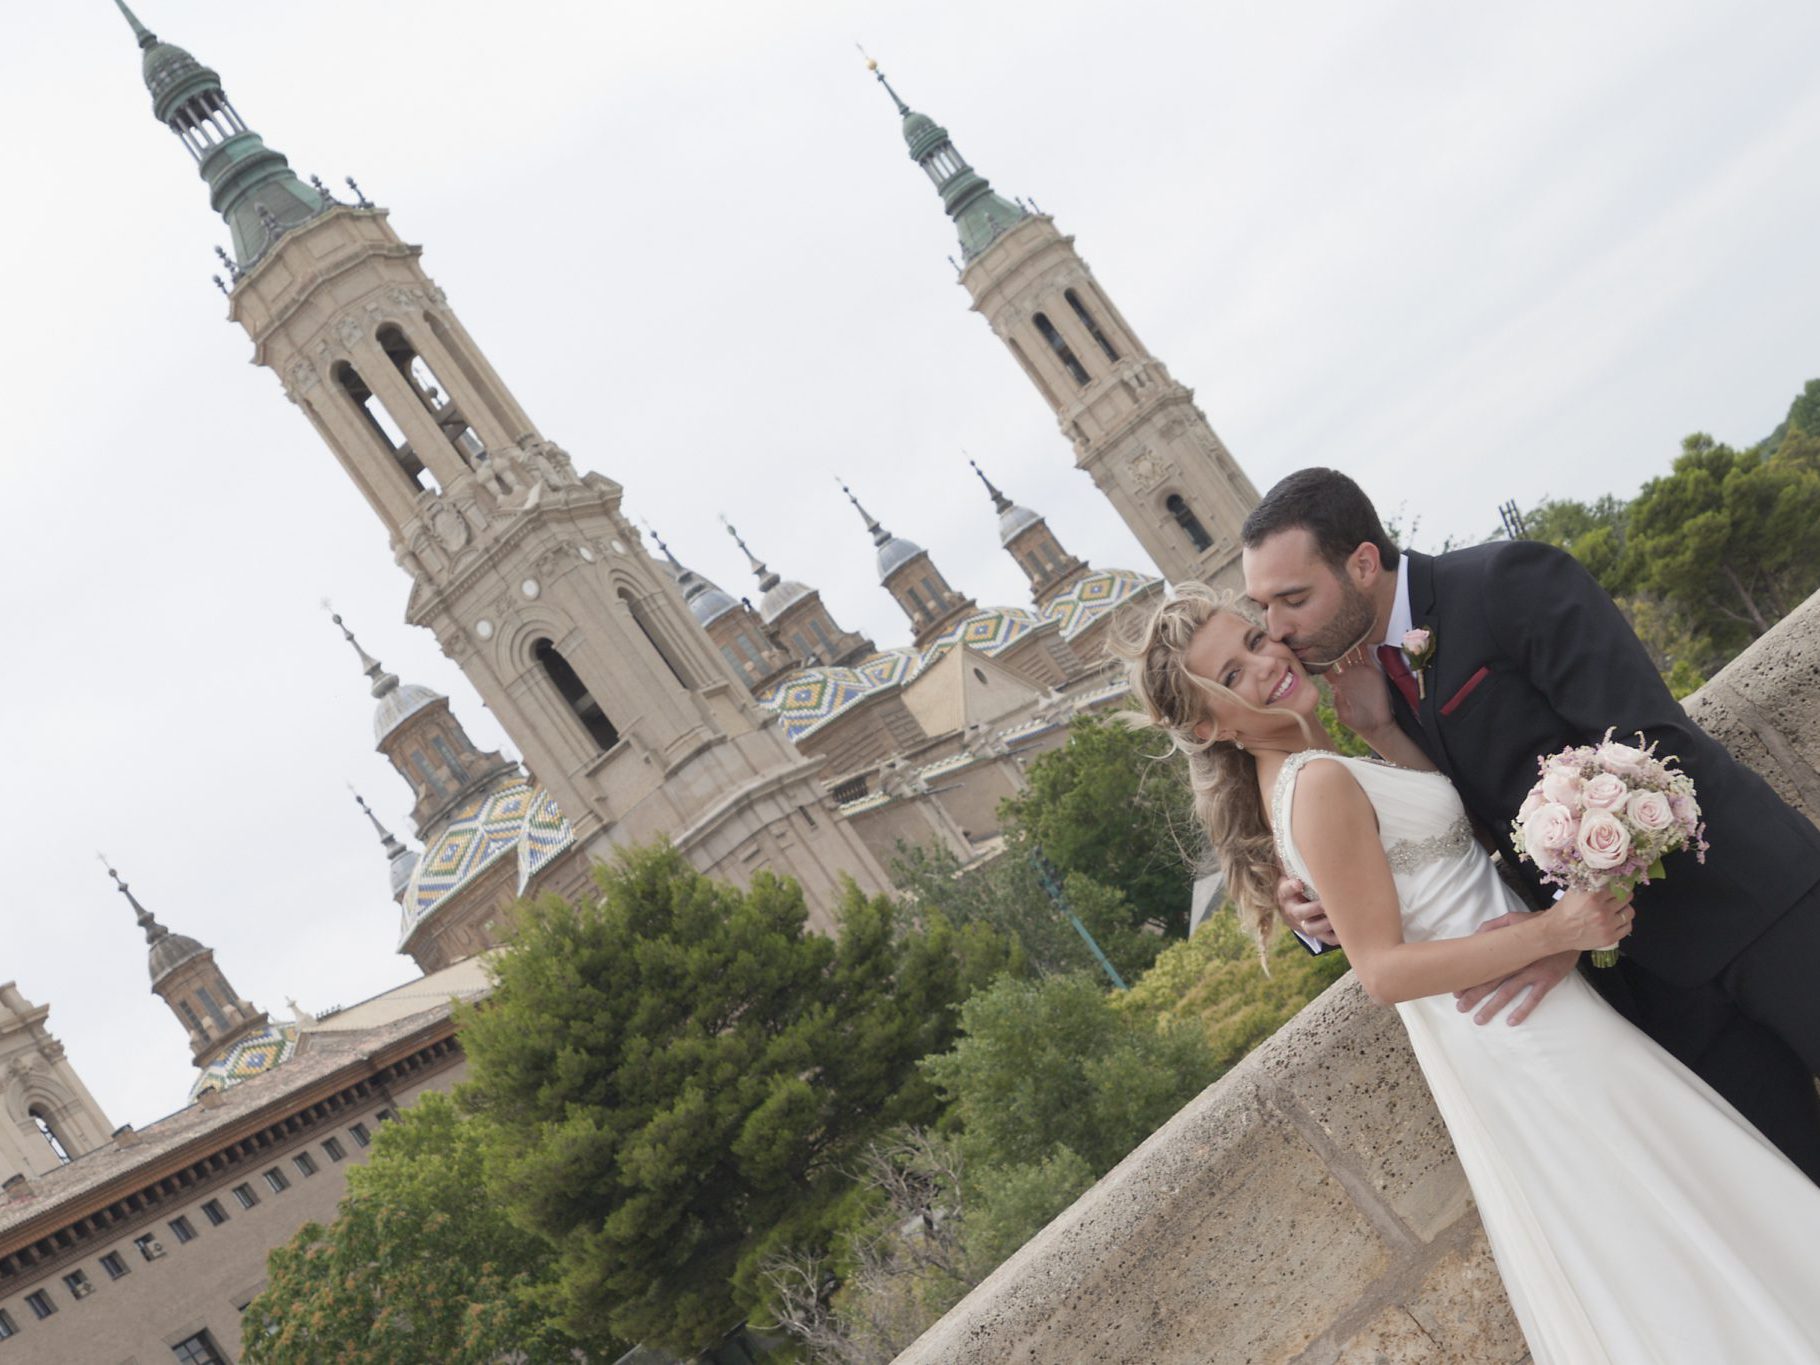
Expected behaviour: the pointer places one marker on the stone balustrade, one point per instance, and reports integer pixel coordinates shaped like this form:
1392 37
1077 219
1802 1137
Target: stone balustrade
1308 1207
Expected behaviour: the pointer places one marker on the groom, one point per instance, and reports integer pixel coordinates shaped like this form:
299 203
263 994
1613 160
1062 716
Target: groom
1527 655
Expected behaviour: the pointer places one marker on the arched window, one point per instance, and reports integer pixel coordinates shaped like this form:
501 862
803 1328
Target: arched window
1188 521
49 1133
937 598
189 1017
425 775
447 755
815 629
916 603
1093 328
208 1003
384 429
1031 370
640 617
1061 348
433 393
575 693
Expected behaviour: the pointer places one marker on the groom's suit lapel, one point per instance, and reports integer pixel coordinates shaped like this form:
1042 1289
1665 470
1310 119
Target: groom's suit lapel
1422 613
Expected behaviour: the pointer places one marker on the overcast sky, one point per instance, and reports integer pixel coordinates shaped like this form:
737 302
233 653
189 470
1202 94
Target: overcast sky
1468 252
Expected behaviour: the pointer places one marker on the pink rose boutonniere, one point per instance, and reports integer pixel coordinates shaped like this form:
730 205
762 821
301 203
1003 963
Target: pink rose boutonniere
1419 650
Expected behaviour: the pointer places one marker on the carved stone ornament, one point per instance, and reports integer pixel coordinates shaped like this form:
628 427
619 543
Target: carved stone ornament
450 529
1147 471
303 375
349 330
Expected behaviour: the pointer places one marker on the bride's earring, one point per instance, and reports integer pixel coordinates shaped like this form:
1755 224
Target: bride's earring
1238 744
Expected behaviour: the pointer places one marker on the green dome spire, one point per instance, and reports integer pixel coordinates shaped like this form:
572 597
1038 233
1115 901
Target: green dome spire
979 213
250 185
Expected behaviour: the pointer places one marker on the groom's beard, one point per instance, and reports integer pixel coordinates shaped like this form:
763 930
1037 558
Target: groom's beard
1351 626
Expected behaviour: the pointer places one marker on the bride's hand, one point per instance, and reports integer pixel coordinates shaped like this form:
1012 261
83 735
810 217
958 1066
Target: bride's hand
1361 693
1590 919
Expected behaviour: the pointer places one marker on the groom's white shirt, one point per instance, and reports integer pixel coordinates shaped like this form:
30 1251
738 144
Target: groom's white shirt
1400 622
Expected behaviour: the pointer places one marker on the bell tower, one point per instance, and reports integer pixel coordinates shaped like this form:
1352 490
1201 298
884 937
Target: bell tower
47 1116
525 569
1134 429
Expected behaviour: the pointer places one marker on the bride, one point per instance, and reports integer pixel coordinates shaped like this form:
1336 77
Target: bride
1635 1216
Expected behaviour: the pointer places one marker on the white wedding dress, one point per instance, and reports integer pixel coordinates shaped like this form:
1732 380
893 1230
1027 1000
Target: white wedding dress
1635 1216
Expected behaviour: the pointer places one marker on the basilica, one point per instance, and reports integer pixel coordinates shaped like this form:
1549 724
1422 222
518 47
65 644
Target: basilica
751 729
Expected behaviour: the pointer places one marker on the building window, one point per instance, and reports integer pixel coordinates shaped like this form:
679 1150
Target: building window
48 1133
383 1116
916 603
208 1003
1076 370
423 772
114 1265
1093 328
277 1180
362 1138
305 1164
815 629
77 1282
198 1350
937 598
189 1017
182 1231
40 1303
378 421
1188 521
447 755
214 1213
334 1148
245 1196
581 702
149 1247
642 620
7 1326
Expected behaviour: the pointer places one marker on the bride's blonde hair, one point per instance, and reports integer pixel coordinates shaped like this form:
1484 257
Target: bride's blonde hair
1222 777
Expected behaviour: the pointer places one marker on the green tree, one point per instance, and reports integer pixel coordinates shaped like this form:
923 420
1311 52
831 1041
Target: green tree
1730 538
1215 982
671 1079
418 1268
1003 900
1109 805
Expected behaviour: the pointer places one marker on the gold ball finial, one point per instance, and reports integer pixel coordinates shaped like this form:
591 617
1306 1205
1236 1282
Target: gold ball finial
872 64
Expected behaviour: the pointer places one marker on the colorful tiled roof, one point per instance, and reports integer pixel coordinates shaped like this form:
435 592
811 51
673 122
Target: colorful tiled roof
514 817
1094 596
251 1056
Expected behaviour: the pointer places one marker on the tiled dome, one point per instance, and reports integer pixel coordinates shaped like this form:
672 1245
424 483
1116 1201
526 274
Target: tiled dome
1013 520
252 1056
779 599
170 952
1095 595
514 818
894 554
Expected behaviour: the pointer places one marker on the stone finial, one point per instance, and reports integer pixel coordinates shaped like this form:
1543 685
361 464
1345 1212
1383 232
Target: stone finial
1000 503
879 534
360 199
145 919
767 579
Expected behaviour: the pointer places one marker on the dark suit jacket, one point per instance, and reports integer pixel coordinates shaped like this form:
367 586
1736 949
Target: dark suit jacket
1532 656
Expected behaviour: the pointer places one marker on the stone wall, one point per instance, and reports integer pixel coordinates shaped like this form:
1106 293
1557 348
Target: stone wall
1308 1207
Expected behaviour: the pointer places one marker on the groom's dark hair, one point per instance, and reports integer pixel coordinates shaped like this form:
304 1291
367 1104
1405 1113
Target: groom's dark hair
1330 507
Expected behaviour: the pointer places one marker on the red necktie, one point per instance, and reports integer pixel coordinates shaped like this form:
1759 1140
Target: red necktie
1396 668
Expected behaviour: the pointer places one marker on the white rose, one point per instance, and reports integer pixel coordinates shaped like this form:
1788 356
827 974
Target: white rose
1551 826
1626 760
1650 810
1605 792
1603 841
1561 785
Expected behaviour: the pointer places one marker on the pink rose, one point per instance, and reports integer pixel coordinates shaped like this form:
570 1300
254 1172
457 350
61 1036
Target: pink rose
1551 827
1603 842
1686 809
1531 804
1561 785
1650 811
1416 641
1626 760
1605 792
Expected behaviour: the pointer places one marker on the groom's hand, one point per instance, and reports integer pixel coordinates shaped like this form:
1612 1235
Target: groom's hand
1303 913
1538 979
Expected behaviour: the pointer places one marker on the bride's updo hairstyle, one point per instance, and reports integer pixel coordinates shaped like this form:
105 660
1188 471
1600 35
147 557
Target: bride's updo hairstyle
1222 776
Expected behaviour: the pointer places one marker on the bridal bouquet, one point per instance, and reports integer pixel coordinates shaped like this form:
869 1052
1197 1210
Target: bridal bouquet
1603 816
